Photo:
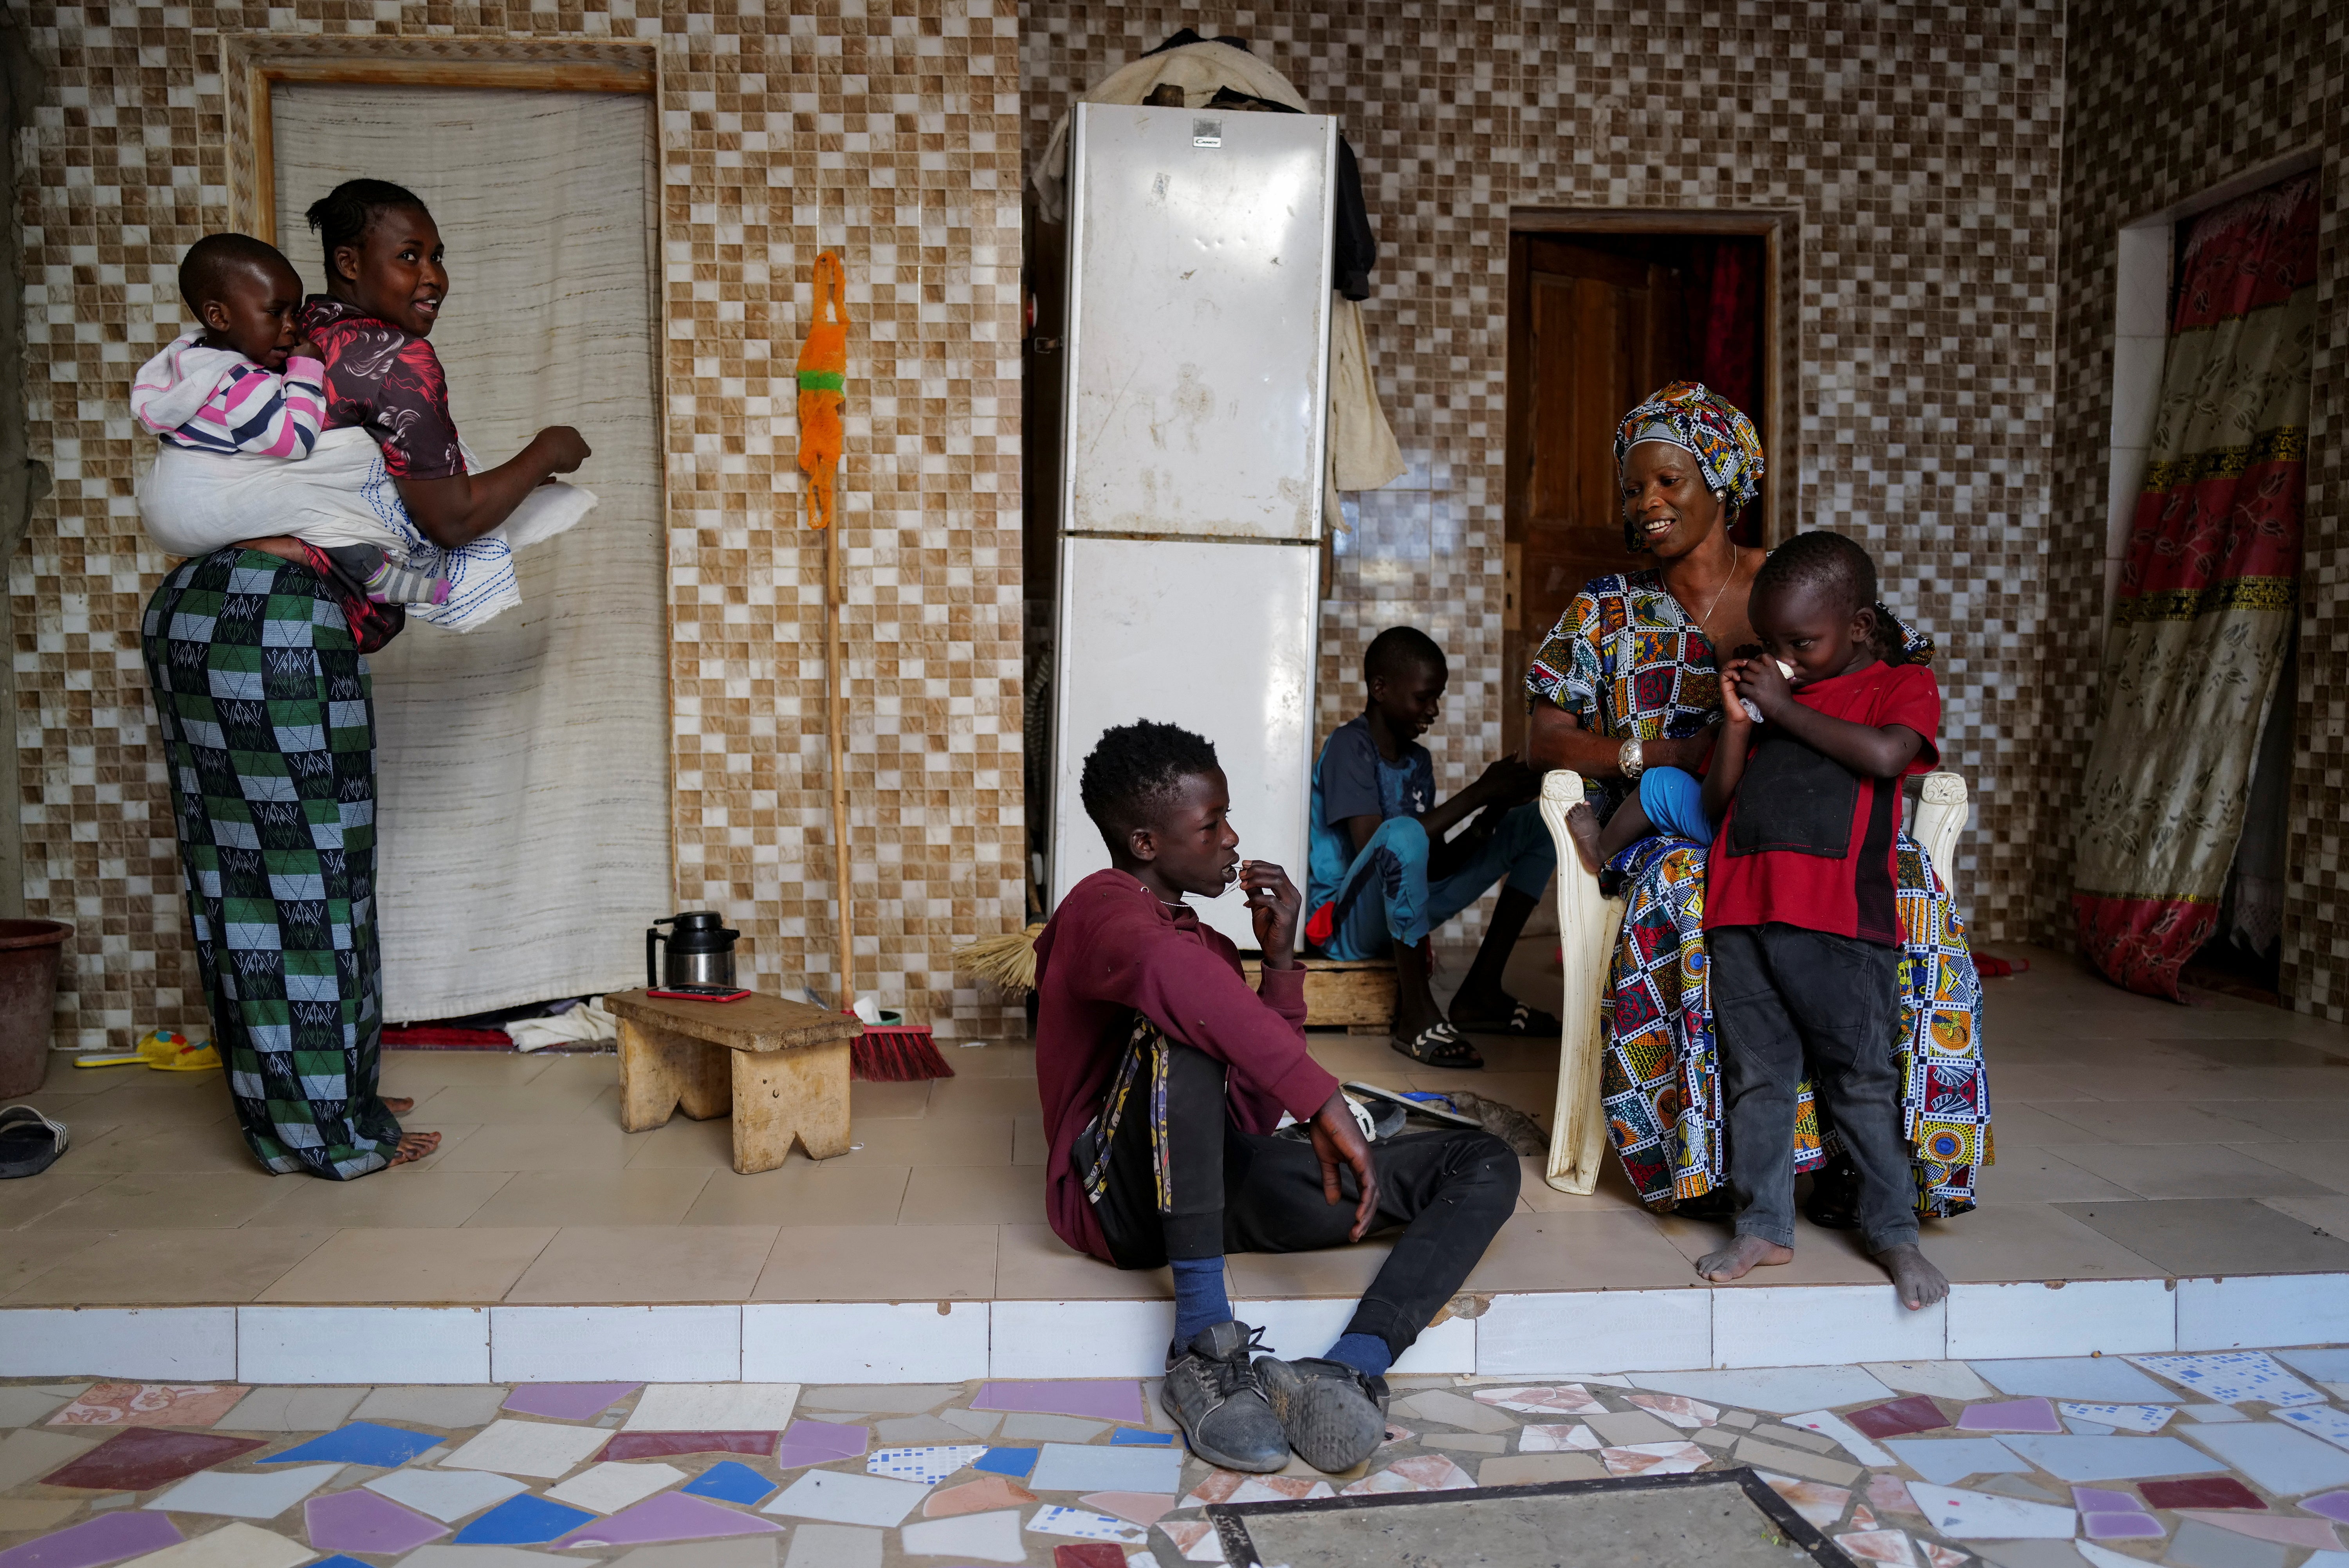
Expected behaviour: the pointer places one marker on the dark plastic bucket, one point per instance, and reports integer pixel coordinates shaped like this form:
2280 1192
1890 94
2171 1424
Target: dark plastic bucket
29 951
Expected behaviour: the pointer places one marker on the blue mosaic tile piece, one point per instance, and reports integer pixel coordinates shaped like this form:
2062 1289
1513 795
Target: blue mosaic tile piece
360 1443
340 1560
522 1522
730 1482
1127 1438
1007 1461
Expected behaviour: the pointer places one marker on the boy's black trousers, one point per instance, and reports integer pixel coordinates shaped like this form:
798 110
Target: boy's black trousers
1235 1191
1784 998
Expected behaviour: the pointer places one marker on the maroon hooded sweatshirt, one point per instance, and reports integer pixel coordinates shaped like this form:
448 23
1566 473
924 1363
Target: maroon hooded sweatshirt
1113 949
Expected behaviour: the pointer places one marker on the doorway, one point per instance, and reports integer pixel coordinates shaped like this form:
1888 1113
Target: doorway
1604 309
522 773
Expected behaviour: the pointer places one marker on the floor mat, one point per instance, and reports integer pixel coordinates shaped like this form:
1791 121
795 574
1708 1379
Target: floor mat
1725 1519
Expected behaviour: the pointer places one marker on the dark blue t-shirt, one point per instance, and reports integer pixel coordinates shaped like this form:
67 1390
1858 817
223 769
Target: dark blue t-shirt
1351 780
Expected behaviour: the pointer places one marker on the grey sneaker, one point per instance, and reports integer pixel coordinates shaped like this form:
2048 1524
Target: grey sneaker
1334 1417
1212 1394
394 584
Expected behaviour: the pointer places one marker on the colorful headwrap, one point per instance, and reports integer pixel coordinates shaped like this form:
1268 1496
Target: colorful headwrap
1702 423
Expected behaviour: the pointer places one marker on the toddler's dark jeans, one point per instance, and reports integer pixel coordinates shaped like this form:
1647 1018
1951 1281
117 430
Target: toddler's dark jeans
1237 1191
1783 997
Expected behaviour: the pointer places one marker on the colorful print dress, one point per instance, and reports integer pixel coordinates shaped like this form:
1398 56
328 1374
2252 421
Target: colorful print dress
1625 660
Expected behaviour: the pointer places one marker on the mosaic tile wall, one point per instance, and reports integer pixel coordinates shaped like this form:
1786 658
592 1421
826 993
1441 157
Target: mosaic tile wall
883 129
2164 103
1920 145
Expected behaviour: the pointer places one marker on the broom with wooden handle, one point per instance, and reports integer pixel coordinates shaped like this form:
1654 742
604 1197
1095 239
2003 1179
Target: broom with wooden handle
1007 962
883 1053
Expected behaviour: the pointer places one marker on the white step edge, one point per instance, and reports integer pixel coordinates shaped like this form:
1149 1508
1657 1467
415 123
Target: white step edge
1507 1334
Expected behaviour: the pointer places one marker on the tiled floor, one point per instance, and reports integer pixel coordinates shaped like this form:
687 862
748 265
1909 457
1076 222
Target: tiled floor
2234 1461
2135 1139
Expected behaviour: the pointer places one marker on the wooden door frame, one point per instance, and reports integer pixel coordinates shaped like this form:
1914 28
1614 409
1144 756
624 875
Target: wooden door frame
252 62
1778 228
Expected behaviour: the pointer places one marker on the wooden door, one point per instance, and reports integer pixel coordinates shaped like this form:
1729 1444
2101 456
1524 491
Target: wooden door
1593 332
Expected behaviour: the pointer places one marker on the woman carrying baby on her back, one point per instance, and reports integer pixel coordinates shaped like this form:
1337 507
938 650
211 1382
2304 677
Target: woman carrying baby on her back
256 653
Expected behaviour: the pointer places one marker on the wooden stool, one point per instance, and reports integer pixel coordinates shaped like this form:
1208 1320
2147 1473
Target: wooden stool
781 1067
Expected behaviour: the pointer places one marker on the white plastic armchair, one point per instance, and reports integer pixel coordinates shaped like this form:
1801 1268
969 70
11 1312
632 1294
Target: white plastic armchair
1587 928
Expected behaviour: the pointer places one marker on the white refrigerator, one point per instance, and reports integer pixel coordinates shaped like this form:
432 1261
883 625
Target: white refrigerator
1193 459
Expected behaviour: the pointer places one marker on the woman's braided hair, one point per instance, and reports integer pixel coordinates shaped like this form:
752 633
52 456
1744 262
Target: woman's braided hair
343 215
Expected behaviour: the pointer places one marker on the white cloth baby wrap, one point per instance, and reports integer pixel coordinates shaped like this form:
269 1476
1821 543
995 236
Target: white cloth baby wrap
196 502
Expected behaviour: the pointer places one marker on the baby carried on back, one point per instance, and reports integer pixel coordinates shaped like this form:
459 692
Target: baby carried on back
238 407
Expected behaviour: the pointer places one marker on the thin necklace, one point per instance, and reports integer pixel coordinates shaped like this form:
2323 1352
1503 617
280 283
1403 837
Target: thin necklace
1735 566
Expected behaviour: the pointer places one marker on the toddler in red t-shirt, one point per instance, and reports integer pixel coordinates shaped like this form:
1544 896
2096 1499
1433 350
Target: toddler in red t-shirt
1801 929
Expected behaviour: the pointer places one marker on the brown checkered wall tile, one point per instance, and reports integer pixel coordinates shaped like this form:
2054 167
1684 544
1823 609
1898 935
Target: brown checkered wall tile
886 131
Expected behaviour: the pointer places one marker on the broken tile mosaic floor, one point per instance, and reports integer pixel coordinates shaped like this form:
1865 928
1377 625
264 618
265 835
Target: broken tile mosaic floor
2054 1463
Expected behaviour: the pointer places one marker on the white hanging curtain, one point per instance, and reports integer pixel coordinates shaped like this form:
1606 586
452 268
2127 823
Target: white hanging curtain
522 769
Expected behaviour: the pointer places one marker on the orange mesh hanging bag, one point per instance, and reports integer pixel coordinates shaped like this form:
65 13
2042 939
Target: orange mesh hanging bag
823 386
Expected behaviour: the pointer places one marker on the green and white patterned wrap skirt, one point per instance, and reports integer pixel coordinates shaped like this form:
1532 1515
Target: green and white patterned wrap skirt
269 727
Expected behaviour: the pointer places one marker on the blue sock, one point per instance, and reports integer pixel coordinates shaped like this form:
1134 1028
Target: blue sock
1365 1352
1199 1299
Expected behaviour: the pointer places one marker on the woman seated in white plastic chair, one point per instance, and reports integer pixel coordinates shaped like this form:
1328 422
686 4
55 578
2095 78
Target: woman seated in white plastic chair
1629 680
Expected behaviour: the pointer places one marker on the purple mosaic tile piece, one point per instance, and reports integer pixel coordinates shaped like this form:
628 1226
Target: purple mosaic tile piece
2010 1416
820 1442
2333 1505
2097 1499
568 1401
671 1516
363 1522
108 1538
2131 1526
1103 1399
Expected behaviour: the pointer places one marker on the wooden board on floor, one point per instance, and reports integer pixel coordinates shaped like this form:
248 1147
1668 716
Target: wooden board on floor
1343 994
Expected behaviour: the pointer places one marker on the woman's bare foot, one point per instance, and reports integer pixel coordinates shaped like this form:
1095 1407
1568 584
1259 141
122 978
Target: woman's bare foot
415 1146
1741 1257
1920 1284
1583 827
399 1104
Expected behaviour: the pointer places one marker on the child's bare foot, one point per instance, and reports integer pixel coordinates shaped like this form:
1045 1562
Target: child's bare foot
1582 826
1920 1284
415 1146
1743 1256
399 1104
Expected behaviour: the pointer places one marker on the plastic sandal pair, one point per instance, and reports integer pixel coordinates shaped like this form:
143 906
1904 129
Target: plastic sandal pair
165 1050
1440 1045
29 1142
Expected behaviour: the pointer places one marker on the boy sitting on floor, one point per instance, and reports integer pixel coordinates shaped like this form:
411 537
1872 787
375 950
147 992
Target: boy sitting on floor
1163 1079
1383 874
1802 929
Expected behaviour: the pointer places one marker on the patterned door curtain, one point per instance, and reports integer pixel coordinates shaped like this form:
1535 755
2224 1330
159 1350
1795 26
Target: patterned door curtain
2203 617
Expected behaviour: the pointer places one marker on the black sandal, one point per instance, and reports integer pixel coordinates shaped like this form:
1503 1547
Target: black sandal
1523 1023
1439 1046
29 1142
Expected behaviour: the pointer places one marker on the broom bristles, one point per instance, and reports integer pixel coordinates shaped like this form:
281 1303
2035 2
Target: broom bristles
896 1054
1007 962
